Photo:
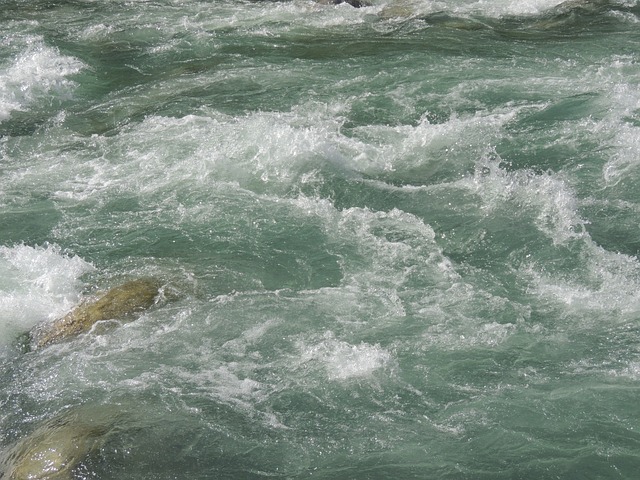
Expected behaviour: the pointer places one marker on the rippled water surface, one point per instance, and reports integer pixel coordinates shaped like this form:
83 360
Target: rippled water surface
397 241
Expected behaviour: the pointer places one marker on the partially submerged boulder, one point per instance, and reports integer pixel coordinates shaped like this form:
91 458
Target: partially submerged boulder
59 445
118 303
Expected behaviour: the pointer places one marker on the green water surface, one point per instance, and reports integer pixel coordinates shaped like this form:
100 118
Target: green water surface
399 241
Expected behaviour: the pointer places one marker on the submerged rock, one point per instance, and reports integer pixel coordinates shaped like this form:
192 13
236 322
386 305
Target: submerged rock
59 445
119 302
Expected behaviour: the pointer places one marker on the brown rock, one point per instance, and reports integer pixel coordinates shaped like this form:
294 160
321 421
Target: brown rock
119 302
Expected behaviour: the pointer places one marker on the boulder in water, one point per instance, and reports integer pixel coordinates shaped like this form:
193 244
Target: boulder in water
119 302
59 445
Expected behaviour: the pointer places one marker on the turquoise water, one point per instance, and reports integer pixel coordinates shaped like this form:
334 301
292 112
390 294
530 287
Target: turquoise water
398 241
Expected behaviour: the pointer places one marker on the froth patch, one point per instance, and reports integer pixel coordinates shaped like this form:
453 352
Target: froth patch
607 282
260 151
409 152
546 198
343 361
621 123
36 73
36 283
496 8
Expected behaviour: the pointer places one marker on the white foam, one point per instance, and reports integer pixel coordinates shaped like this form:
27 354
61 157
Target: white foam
260 19
238 346
469 334
262 151
35 74
606 285
632 370
486 8
36 284
623 96
549 197
344 361
427 145
96 32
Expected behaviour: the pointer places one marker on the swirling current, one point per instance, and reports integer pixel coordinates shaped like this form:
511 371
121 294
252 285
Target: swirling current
395 241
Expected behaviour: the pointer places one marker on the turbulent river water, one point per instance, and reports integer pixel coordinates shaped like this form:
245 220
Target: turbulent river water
397 241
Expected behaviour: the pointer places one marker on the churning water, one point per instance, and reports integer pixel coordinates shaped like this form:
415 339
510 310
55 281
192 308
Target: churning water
397 241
